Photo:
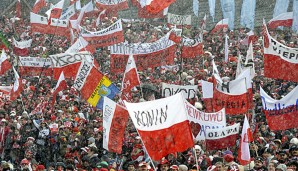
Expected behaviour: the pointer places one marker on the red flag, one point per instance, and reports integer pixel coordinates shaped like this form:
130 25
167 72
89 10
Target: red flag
130 79
284 19
156 5
163 125
280 61
220 25
221 138
61 85
38 5
115 118
17 86
192 50
174 37
246 138
18 9
4 63
56 11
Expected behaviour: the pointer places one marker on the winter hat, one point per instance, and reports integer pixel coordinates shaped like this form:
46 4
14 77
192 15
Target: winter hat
282 167
228 158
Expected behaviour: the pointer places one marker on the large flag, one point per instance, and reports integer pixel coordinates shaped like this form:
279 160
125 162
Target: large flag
17 86
61 85
222 138
143 13
191 48
228 10
212 8
284 19
105 37
249 61
69 63
201 121
220 25
130 79
56 11
246 137
281 114
21 48
4 63
87 8
162 125
38 5
33 66
247 18
155 6
93 85
280 61
114 118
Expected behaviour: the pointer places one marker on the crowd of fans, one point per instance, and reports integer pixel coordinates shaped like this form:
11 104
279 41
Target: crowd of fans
35 136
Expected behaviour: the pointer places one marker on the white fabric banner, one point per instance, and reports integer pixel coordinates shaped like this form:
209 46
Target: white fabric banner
179 19
188 91
22 44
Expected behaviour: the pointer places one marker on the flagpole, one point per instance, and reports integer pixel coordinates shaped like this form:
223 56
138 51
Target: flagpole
196 157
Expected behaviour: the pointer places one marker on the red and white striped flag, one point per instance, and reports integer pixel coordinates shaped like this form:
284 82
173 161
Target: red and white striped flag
61 85
4 63
56 11
284 19
17 86
246 138
115 118
220 25
130 79
38 5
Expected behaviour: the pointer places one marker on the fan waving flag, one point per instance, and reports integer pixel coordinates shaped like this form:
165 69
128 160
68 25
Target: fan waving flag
220 25
284 19
115 118
17 86
221 138
280 61
130 79
93 85
38 5
281 114
61 85
246 137
162 125
4 63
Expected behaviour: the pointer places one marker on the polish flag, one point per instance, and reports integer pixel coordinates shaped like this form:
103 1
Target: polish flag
222 138
284 19
130 79
87 8
280 61
246 138
156 6
56 11
115 118
250 37
4 63
99 17
61 85
17 86
38 5
162 125
220 25
79 46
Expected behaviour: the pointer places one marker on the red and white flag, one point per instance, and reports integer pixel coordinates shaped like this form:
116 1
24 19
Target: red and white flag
284 19
56 11
250 37
112 6
115 118
80 45
17 86
87 8
143 13
249 61
220 25
4 63
99 18
246 137
281 114
61 85
21 48
280 61
5 92
156 6
222 138
163 125
38 5
191 48
18 9
130 79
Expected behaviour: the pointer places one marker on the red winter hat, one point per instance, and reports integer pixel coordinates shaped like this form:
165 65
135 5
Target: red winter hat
228 158
40 167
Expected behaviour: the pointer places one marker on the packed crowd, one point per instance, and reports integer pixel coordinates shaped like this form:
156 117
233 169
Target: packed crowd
68 136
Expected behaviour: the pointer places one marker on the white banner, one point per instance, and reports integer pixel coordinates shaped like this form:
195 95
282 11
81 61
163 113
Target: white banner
22 44
188 91
38 19
179 19
34 62
68 12
80 44
116 27
142 48
64 59
110 2
205 120
213 134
